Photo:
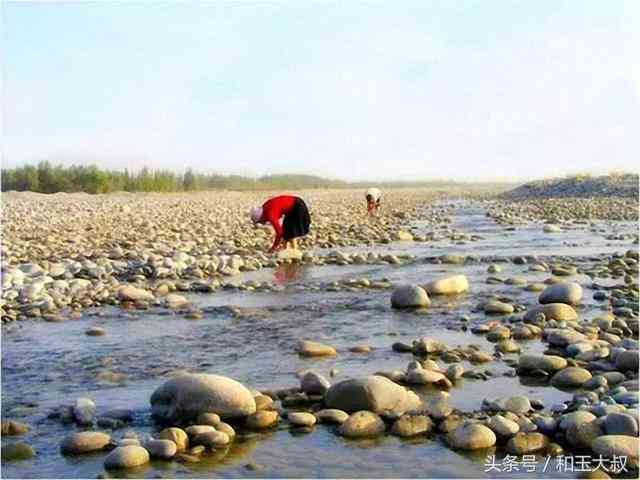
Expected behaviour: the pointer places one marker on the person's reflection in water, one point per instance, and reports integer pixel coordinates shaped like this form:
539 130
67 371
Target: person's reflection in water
289 272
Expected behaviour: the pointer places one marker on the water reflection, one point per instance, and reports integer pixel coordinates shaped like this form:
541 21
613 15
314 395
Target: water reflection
290 272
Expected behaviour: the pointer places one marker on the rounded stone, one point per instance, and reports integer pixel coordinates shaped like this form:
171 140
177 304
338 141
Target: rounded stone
409 296
569 293
194 430
185 397
11 427
621 424
309 348
313 383
177 436
571 377
362 424
373 393
208 418
412 425
160 448
17 451
496 307
262 419
627 360
552 311
576 418
517 404
618 445
451 285
301 419
547 363
471 436
525 443
127 457
211 440
83 442
502 426
332 416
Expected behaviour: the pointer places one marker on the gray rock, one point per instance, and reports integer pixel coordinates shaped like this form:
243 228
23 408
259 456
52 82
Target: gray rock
314 384
373 393
621 424
164 449
187 396
502 426
127 457
569 293
409 296
518 404
618 445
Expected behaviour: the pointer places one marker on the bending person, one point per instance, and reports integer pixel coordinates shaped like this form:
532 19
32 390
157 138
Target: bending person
373 196
296 219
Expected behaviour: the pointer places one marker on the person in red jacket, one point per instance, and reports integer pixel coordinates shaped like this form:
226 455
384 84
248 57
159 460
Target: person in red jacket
295 223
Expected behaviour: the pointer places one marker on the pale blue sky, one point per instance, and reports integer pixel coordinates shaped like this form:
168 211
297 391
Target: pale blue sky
349 89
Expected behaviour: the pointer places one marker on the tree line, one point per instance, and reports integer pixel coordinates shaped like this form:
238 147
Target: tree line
47 178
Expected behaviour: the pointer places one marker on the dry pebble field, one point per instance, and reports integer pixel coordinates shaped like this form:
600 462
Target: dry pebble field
151 336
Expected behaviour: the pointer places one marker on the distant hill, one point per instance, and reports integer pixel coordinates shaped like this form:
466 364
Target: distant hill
580 186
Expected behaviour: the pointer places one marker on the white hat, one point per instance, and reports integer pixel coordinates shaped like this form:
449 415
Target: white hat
375 193
256 214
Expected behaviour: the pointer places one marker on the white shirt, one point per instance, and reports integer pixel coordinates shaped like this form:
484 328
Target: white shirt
375 194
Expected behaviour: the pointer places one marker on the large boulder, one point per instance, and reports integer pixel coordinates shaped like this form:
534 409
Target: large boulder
374 393
569 293
409 296
448 286
185 397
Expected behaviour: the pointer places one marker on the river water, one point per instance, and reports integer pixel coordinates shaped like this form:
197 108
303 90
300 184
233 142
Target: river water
45 365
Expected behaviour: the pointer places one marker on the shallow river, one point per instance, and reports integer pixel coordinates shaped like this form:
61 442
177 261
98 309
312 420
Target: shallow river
45 365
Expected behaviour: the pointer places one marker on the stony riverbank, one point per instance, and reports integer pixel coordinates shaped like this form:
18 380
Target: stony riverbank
464 314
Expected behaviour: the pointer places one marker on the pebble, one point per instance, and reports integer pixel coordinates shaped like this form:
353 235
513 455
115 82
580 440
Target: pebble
126 457
362 424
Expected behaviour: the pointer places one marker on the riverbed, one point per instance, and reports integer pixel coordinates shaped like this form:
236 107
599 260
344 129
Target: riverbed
45 365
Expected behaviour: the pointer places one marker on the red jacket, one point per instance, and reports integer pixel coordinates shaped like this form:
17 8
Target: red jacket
273 210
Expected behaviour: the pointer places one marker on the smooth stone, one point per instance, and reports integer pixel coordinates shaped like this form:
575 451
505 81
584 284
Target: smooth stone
211 440
308 348
409 296
208 418
12 427
164 449
226 428
186 396
134 294
412 425
83 442
517 404
313 383
571 377
627 360
621 424
618 445
177 436
498 308
502 426
332 416
471 436
262 419
373 393
95 331
525 443
569 293
547 363
17 451
194 430
552 311
362 424
127 457
576 418
451 285
301 419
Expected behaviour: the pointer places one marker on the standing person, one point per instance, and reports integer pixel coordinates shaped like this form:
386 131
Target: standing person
373 196
296 219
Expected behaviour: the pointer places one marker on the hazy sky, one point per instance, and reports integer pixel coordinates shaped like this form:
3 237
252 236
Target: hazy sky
349 89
